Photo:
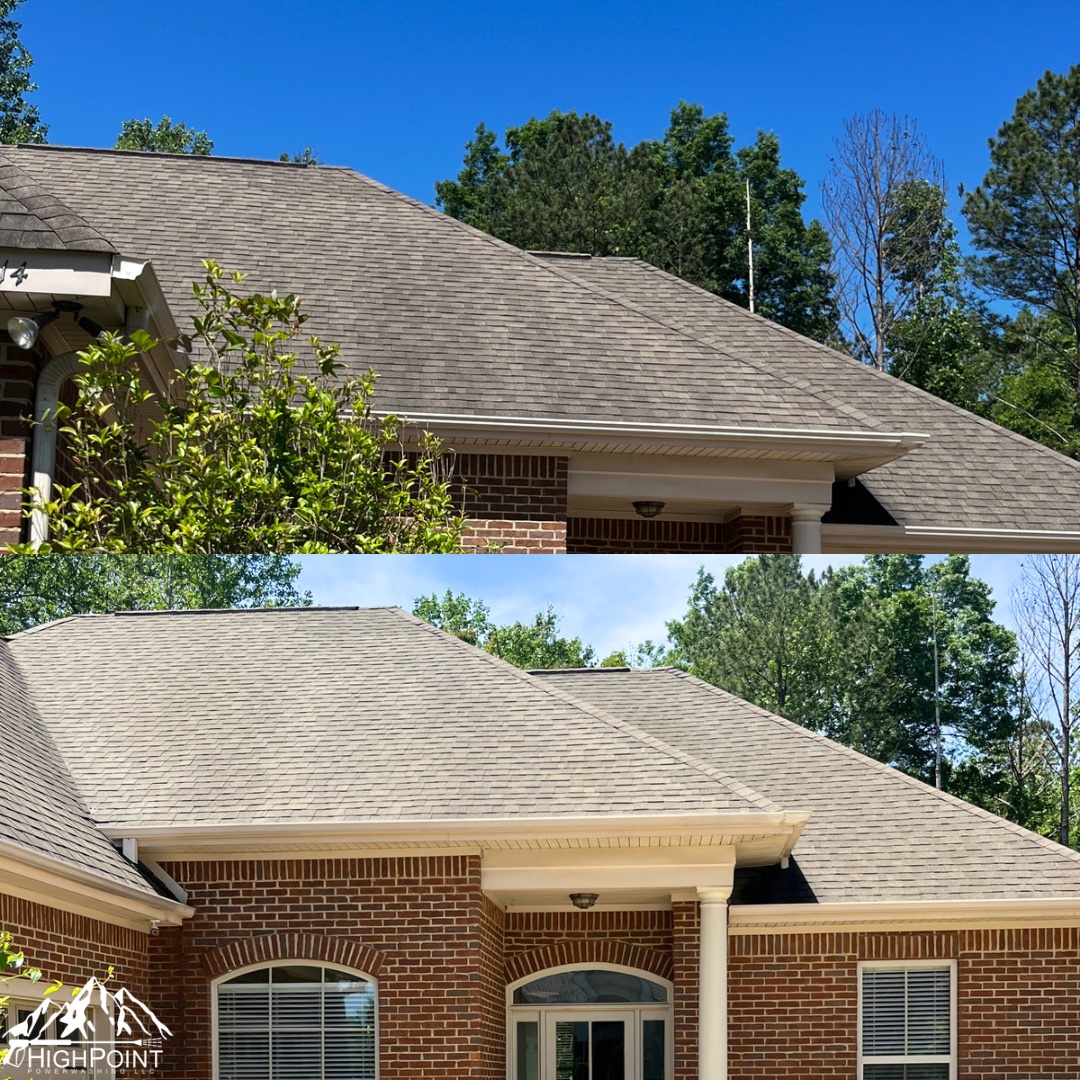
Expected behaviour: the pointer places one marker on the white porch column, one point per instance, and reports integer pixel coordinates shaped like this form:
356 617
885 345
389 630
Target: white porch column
806 528
712 986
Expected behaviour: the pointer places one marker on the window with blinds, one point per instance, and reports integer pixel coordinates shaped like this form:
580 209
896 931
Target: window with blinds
296 1022
908 1028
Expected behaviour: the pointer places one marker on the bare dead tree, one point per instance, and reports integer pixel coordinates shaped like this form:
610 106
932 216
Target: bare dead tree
883 203
1046 604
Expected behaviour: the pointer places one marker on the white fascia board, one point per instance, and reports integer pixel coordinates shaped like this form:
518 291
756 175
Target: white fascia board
934 539
467 830
54 883
904 915
56 273
889 445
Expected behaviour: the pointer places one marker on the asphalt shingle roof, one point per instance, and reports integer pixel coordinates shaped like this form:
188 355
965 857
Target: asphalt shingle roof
874 833
33 218
40 809
458 322
307 715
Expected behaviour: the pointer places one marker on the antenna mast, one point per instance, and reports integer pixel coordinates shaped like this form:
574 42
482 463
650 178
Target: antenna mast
749 248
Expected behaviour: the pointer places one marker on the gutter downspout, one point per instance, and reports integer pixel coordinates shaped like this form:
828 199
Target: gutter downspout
43 455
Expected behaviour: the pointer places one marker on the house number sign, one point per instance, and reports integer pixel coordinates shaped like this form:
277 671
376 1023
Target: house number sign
18 273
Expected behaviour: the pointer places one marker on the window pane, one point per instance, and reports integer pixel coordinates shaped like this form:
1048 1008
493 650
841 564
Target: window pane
608 1050
299 1023
883 1012
571 1050
906 1072
652 1050
928 1011
528 1050
589 987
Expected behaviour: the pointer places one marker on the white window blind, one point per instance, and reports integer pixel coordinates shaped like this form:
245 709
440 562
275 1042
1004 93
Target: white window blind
296 1022
907 1023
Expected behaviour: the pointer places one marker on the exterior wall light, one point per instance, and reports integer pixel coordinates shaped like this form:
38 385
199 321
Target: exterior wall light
584 900
24 331
648 509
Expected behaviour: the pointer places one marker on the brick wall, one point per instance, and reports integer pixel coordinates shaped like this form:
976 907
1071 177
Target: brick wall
73 947
516 537
538 940
512 487
794 997
641 535
18 380
420 919
686 929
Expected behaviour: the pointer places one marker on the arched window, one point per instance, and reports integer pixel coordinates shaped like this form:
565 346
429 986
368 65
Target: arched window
595 1020
295 1021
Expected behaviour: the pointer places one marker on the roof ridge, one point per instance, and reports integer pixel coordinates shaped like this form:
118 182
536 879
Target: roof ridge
864 759
837 356
655 743
113 151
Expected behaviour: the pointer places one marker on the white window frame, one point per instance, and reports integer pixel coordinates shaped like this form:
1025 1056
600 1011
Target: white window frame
287 962
642 1010
949 1059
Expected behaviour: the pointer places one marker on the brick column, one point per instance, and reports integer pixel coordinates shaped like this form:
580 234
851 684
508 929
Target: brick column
685 937
12 480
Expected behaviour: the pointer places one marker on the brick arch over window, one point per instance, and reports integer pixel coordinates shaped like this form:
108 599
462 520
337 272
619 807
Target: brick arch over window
565 953
270 947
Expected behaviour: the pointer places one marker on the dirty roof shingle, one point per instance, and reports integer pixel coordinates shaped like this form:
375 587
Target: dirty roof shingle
874 833
307 715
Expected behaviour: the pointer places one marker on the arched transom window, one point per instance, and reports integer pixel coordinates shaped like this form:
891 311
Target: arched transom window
296 1021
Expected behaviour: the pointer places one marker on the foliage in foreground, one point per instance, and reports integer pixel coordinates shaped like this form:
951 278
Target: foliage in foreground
250 453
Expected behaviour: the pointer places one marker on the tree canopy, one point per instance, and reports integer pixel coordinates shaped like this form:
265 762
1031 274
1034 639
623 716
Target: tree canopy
563 183
164 137
37 588
20 121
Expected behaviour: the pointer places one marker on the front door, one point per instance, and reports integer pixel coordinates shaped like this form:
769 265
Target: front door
590 1045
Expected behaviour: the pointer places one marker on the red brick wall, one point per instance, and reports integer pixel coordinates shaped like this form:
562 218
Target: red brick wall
18 380
420 916
492 992
516 537
539 940
686 929
640 535
794 997
73 947
512 487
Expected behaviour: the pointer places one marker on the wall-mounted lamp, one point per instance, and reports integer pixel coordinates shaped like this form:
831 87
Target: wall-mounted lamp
24 331
647 509
584 900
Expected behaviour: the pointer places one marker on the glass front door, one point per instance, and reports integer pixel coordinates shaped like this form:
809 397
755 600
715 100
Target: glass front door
592 1046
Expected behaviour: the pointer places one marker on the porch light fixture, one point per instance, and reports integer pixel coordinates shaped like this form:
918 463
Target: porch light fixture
584 900
648 509
24 331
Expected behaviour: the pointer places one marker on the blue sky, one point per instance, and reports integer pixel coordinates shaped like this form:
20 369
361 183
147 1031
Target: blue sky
610 601
395 89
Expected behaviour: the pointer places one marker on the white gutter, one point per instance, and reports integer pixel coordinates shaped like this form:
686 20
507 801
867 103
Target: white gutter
901 914
906 539
52 876
543 427
469 830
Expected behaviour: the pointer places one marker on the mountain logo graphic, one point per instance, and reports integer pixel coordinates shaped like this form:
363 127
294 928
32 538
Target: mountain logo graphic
78 1020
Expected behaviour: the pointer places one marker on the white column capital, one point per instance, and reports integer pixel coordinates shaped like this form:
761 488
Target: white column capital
806 527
